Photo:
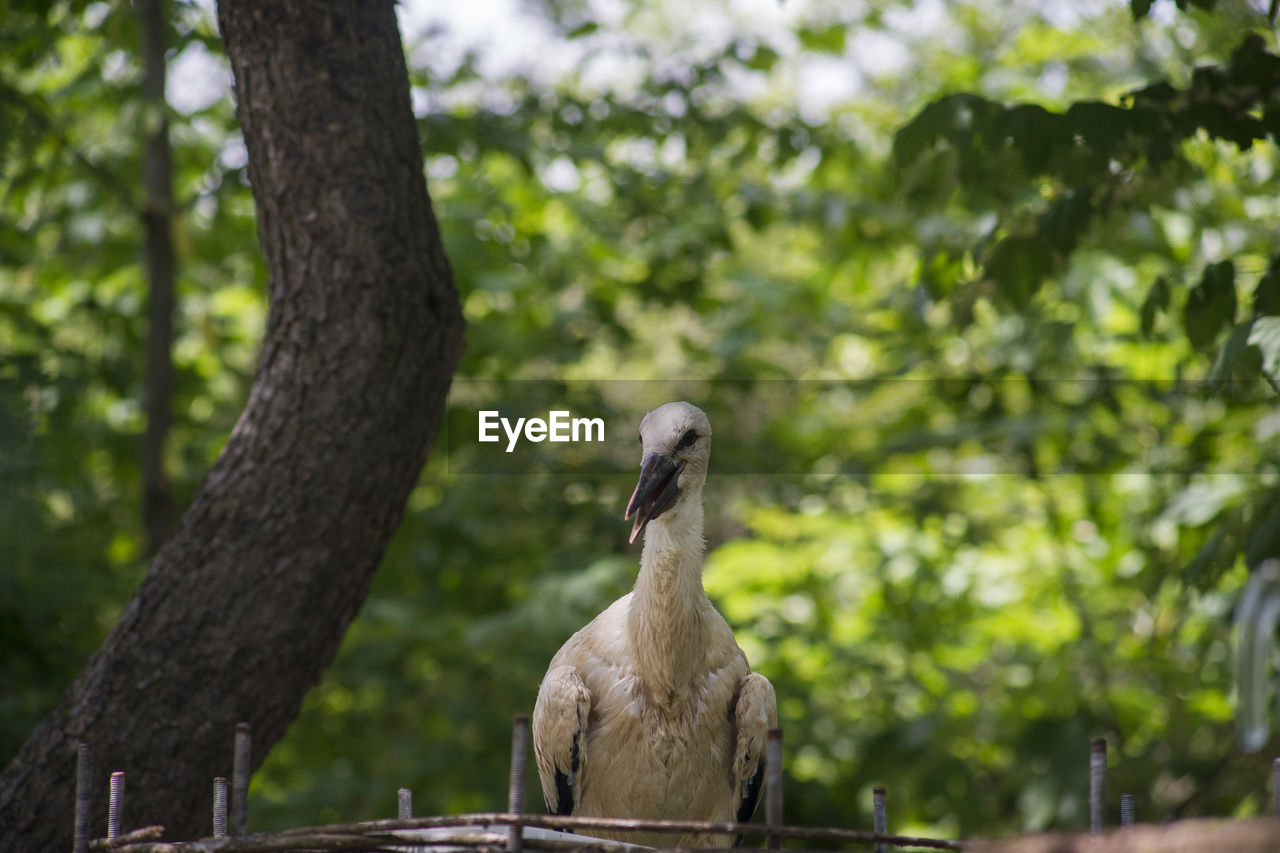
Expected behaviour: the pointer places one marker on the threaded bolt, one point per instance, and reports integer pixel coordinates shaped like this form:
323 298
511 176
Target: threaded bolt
1275 783
1097 784
405 804
773 785
515 791
115 804
880 816
221 791
84 783
240 782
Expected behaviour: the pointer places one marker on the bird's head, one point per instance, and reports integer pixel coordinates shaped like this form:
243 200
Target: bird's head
675 444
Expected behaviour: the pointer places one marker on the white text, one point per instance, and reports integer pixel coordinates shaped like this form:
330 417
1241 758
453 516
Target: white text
559 426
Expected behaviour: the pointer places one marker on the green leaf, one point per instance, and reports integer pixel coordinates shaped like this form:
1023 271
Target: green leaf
1065 220
824 39
1211 304
1140 8
583 29
1221 120
939 273
1036 132
1238 360
763 59
1099 124
1213 558
957 119
1019 265
1252 64
1157 302
1264 334
1266 296
1264 540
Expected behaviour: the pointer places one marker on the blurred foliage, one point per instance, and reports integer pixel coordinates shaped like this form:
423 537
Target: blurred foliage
982 299
72 327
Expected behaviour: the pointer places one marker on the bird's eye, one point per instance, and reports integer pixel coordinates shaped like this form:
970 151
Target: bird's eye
687 439
641 437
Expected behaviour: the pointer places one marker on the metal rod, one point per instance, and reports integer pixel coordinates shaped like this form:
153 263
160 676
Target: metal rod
240 782
404 805
773 785
590 825
1097 784
1257 615
1275 783
1126 810
221 789
880 816
115 804
515 793
84 783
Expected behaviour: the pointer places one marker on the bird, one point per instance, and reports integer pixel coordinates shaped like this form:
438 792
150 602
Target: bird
651 710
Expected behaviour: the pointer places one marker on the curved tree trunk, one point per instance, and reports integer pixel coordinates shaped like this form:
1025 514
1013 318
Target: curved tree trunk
245 604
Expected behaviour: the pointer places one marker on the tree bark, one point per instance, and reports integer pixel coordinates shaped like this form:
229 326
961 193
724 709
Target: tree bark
157 218
246 602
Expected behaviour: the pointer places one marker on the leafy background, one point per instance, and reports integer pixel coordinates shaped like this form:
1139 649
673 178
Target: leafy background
983 298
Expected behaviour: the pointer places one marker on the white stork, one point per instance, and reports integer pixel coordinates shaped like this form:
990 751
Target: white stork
651 711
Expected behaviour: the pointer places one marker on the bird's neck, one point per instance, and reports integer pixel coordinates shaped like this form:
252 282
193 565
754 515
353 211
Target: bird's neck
669 605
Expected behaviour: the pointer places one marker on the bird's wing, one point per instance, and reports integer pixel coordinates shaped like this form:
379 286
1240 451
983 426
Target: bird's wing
560 737
755 712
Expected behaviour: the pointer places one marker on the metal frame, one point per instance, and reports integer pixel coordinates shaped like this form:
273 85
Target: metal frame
504 832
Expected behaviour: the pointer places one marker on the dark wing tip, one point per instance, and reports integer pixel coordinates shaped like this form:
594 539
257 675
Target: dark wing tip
564 795
751 796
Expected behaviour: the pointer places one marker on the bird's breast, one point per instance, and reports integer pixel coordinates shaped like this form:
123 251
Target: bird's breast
662 754
661 767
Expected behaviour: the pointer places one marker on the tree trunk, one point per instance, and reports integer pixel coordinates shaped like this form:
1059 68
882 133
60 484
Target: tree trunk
157 216
246 602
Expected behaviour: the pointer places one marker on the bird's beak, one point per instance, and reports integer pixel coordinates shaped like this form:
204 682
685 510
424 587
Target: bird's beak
656 491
